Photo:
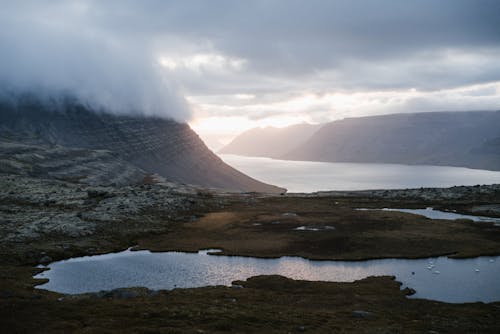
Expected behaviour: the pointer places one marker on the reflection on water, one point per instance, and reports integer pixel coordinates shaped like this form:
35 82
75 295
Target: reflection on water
436 214
464 280
309 176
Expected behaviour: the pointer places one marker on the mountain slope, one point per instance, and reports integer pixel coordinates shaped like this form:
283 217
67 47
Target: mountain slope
154 145
270 141
94 167
468 139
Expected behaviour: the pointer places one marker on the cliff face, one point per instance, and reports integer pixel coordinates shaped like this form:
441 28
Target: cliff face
153 145
468 139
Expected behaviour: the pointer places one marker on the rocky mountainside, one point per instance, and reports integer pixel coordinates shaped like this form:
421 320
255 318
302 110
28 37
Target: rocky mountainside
467 139
139 144
270 141
93 167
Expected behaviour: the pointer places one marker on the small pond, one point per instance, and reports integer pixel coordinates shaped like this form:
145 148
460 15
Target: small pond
437 214
440 278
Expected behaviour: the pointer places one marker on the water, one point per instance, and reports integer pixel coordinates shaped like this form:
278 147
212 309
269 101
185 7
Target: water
308 176
436 214
438 278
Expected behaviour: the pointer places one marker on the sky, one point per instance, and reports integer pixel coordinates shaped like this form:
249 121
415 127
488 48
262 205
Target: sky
226 66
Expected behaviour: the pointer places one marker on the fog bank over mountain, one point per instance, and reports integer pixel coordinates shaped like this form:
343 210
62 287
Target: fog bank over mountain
54 51
305 61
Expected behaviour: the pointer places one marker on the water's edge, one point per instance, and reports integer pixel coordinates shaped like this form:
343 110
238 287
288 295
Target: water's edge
431 213
170 270
313 176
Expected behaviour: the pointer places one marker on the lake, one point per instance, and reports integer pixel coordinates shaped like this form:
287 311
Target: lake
309 176
440 278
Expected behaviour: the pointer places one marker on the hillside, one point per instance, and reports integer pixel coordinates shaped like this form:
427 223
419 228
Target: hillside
270 141
467 139
151 145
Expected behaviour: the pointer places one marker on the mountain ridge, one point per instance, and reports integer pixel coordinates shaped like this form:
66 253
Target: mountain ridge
153 144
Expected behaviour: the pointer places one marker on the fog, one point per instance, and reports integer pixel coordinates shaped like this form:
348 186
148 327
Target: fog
53 52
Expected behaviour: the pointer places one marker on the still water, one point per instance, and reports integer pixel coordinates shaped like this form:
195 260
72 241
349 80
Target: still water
437 214
309 176
440 278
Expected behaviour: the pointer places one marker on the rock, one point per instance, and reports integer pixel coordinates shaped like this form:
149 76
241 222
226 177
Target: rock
124 293
6 294
96 193
362 314
45 259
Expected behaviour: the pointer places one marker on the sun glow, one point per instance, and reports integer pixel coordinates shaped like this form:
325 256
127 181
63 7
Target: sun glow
226 116
218 131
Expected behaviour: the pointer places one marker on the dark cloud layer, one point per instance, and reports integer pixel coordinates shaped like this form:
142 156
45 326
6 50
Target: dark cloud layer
108 52
291 36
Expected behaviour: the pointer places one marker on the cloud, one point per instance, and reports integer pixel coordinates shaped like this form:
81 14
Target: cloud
131 55
318 108
292 38
54 50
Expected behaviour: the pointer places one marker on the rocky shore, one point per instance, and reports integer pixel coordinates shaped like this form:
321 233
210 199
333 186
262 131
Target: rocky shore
468 193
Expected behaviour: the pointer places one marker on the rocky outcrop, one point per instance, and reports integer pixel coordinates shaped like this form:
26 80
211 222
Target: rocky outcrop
32 208
153 145
480 193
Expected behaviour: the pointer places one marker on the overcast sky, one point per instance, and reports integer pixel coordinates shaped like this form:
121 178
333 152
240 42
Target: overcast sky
226 66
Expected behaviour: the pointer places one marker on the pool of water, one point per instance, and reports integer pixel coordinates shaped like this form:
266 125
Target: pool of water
437 214
310 176
440 278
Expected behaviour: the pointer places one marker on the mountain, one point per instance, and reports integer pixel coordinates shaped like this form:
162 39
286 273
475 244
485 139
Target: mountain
150 145
93 167
270 141
466 139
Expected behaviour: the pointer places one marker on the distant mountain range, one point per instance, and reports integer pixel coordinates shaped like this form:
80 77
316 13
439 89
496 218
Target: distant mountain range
466 139
270 141
75 142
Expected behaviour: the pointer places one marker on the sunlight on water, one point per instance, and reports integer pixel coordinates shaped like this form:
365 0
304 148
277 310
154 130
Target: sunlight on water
440 278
